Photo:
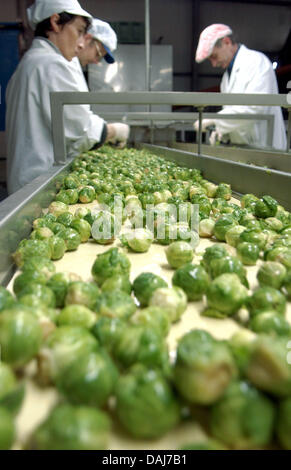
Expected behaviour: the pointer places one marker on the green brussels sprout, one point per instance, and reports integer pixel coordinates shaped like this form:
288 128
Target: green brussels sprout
218 206
223 191
270 322
28 248
71 182
153 317
58 247
105 228
229 264
271 274
141 344
72 428
146 199
40 264
6 299
81 212
61 348
117 282
172 299
28 277
204 205
83 293
266 298
87 194
243 418
107 330
217 250
206 228
253 236
57 227
111 262
11 392
283 424
208 444
248 253
268 367
203 369
71 237
222 225
41 233
63 197
179 253
115 304
138 240
226 294
281 254
65 219
233 234
40 222
144 285
7 429
210 188
46 294
82 227
89 380
57 208
248 201
253 224
145 403
193 279
266 207
240 345
286 284
78 315
20 337
273 223
59 283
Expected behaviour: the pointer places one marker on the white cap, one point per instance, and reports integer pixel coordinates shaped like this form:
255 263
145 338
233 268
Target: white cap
43 9
104 33
208 38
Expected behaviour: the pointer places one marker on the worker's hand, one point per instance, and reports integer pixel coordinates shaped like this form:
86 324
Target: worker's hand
215 137
204 124
120 133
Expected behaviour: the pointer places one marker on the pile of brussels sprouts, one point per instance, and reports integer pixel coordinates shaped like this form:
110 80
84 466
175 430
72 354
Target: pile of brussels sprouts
103 343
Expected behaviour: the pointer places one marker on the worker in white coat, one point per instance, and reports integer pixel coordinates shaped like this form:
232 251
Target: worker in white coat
246 71
60 26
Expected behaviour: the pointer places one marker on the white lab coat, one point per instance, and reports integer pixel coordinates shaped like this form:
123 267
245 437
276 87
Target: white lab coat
252 72
28 117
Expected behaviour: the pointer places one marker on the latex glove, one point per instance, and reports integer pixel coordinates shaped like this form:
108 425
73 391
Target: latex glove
204 124
121 133
215 137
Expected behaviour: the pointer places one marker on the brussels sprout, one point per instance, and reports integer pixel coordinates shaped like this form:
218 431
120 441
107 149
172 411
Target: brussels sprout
286 284
28 277
41 233
6 298
57 208
105 228
217 250
63 197
274 224
270 322
83 293
61 348
266 207
115 304
283 423
77 315
58 247
243 418
141 344
117 282
179 253
72 428
138 240
57 227
111 262
248 253
222 225
210 188
59 283
144 285
37 263
89 380
223 191
173 300
29 248
65 219
87 194
11 392
240 344
253 236
107 330
193 279
266 298
145 403
218 206
81 212
229 264
153 317
271 274
71 237
206 228
226 294
268 368
203 369
46 295
71 182
232 235
253 224
20 337
7 429
281 254
82 227
249 201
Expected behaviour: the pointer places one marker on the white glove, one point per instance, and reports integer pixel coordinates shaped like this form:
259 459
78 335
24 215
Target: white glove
121 133
204 124
215 137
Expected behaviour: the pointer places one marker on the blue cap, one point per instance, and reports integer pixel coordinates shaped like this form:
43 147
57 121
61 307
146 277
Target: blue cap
108 57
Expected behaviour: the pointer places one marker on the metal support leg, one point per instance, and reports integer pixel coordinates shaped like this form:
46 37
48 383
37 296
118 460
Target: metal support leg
200 110
288 149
